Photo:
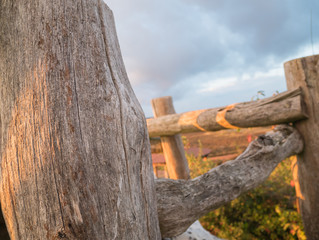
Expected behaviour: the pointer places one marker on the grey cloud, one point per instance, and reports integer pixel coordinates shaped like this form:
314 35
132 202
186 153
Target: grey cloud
166 44
270 27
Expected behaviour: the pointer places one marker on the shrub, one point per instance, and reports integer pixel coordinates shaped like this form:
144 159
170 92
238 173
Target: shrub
197 165
267 212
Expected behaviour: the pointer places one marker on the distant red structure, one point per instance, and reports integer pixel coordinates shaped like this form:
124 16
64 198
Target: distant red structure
159 164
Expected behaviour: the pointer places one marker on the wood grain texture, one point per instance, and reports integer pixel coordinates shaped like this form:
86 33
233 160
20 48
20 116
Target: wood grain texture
304 73
282 108
75 158
181 202
173 148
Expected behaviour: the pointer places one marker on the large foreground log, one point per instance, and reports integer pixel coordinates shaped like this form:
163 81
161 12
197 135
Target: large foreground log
282 108
75 159
304 73
181 202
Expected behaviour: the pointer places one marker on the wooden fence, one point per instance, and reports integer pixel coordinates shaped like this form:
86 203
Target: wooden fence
299 105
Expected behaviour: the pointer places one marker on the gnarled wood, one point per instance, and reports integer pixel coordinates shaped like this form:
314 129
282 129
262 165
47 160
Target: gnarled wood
172 146
75 160
304 73
282 108
181 202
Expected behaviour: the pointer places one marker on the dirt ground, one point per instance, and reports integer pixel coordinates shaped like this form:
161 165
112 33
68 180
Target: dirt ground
225 142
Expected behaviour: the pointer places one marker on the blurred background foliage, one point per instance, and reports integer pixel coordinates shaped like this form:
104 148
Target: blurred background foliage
267 212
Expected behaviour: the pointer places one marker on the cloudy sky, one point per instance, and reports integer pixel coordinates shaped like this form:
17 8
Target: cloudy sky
211 53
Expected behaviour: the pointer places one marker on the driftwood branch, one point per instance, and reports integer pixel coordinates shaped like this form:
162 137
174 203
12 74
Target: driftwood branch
283 108
181 202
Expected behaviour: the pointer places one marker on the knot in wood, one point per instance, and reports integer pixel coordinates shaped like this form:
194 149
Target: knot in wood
265 140
61 234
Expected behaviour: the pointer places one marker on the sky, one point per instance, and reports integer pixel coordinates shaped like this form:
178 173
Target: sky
211 53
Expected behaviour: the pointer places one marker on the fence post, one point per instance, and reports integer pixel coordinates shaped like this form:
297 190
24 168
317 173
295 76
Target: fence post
173 147
304 73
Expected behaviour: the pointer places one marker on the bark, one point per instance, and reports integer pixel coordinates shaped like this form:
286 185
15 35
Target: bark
173 147
303 73
181 202
282 108
75 159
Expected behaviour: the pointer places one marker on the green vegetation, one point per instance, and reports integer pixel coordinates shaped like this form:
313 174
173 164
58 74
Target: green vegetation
197 165
267 212
260 94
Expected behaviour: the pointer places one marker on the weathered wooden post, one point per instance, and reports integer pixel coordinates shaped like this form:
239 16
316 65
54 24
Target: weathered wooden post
75 158
304 73
173 147
176 161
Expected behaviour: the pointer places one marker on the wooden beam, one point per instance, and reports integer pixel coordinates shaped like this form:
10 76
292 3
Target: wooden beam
181 202
172 146
304 73
283 108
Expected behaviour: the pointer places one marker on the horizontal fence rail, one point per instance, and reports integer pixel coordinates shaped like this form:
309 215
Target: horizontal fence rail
282 108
